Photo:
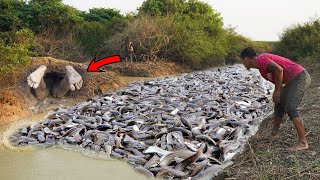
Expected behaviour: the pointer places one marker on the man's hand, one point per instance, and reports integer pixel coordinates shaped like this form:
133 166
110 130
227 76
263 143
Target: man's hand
276 97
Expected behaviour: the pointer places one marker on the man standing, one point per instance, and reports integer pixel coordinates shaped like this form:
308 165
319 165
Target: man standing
290 80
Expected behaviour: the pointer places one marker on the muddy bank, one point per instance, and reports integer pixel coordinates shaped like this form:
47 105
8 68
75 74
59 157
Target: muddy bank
148 69
17 100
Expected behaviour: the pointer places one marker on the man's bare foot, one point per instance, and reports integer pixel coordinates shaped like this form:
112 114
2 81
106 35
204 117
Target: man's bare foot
35 77
75 79
300 146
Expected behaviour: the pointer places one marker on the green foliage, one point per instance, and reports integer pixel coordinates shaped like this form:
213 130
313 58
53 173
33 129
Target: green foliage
41 15
197 41
14 51
237 42
91 36
262 46
105 16
100 24
163 7
300 41
11 14
185 31
180 30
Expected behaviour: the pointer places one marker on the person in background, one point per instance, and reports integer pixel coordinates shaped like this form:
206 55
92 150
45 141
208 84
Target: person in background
290 80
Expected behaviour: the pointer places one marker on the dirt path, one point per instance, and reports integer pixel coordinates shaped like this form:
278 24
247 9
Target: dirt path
266 158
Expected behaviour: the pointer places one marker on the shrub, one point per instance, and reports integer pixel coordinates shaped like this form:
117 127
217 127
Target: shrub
300 41
237 42
14 51
184 31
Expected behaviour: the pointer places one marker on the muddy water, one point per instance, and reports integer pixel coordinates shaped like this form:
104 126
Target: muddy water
57 163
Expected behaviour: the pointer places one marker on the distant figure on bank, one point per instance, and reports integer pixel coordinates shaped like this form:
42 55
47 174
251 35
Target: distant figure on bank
131 51
291 81
71 81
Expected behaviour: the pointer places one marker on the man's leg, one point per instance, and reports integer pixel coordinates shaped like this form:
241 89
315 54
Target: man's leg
296 92
279 112
71 81
302 144
35 81
61 88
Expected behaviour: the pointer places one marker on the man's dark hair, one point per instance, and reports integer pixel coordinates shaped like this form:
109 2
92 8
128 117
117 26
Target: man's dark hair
248 52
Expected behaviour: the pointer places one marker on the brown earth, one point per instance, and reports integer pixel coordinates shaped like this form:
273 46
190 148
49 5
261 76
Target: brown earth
17 100
148 69
266 158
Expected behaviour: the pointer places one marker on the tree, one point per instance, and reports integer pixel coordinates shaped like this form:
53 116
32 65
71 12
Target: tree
102 15
14 51
11 14
300 41
41 15
100 24
197 35
162 7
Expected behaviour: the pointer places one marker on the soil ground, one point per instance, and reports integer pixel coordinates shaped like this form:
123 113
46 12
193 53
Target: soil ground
267 158
148 69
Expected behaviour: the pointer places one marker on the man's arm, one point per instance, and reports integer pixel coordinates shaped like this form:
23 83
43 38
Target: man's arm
278 78
278 74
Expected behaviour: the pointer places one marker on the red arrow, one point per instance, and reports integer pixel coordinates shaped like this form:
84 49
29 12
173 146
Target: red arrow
95 65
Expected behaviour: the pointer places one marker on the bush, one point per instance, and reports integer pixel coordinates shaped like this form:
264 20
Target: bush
91 36
300 41
99 25
184 31
198 41
181 39
237 42
11 14
41 15
149 36
14 51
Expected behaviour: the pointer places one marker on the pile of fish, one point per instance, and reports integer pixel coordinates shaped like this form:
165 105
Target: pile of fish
188 126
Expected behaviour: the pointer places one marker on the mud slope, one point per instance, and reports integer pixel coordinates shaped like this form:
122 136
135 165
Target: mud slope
17 100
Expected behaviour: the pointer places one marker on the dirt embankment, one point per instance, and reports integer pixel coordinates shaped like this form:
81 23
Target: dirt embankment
17 100
267 158
148 69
